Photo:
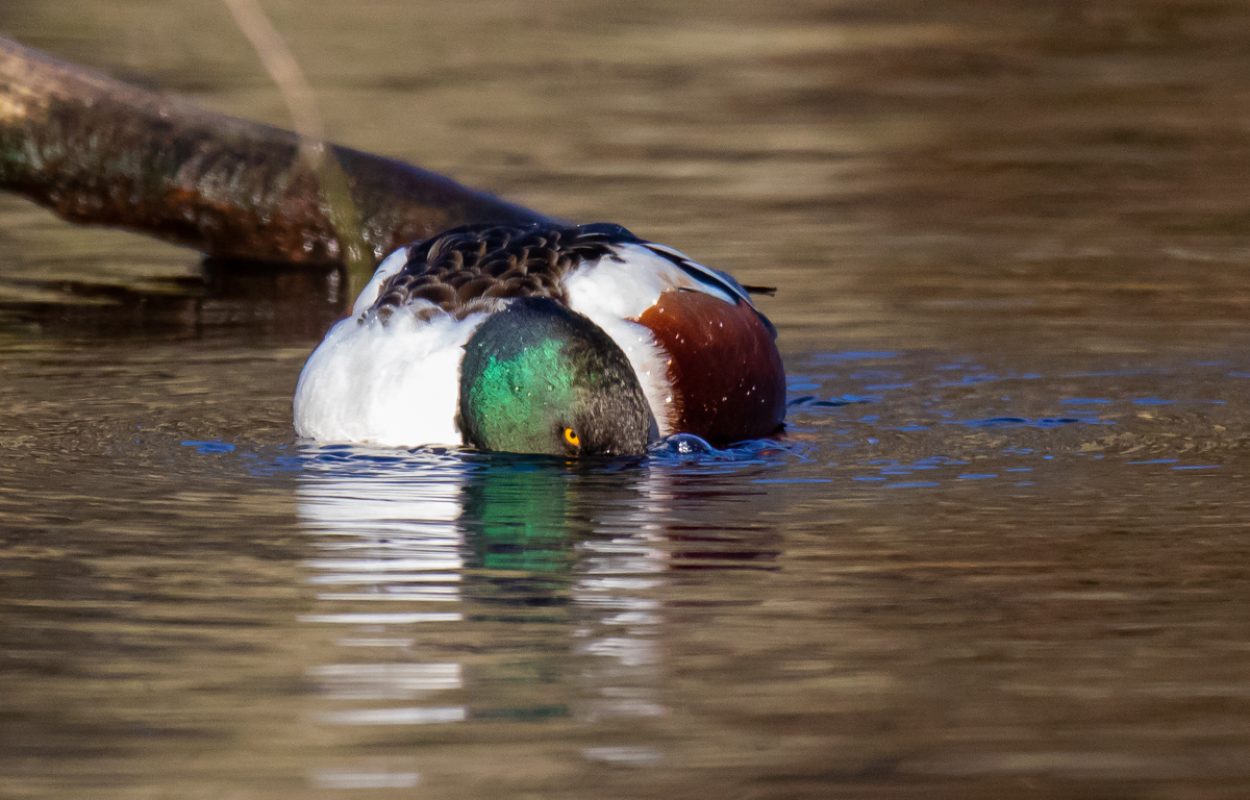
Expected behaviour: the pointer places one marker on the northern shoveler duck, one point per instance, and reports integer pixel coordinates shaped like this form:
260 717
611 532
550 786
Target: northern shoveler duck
544 339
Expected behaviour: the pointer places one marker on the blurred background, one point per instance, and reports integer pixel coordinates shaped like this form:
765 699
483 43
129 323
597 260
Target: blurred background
877 160
1001 551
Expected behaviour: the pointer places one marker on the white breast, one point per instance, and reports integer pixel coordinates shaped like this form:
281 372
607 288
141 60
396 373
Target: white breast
394 384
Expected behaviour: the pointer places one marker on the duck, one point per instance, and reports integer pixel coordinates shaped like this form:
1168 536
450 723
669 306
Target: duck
564 340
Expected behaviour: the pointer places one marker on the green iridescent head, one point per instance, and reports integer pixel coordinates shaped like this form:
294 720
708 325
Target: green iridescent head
538 378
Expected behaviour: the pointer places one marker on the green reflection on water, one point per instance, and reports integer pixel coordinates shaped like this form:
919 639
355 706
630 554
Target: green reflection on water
518 520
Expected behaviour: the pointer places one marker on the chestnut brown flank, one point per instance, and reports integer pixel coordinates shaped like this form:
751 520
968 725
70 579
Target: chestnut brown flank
727 375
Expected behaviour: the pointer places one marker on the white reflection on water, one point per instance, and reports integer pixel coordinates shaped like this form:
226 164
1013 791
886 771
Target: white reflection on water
420 715
389 533
385 681
617 574
360 779
451 547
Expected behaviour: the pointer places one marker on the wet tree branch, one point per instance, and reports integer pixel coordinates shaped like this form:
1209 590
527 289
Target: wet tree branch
99 151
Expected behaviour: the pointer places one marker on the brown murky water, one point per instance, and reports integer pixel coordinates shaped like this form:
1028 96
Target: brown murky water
1002 552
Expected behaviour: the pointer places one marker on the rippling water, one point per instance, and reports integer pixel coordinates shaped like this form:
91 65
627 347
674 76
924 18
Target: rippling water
1001 550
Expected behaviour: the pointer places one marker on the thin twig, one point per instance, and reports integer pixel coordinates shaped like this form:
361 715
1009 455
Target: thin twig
280 63
301 101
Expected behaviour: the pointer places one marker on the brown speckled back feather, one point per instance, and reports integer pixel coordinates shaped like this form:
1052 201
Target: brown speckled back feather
472 268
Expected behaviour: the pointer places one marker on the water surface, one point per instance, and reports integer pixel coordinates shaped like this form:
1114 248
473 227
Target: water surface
1000 551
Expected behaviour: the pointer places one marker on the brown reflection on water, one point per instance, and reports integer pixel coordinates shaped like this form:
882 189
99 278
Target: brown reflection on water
274 302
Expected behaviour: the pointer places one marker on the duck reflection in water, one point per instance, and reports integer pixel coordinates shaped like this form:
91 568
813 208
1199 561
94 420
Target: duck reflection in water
483 589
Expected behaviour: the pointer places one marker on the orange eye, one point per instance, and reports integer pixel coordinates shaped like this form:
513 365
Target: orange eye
571 437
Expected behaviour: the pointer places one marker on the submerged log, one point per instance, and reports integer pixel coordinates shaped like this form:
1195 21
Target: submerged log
99 151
